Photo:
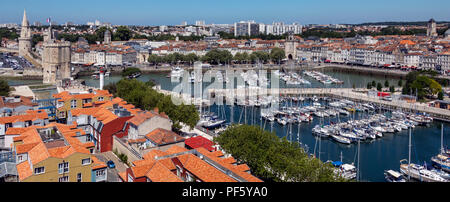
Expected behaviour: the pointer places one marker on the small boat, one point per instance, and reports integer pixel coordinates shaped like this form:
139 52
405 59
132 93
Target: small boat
441 161
394 176
135 75
282 121
341 139
213 123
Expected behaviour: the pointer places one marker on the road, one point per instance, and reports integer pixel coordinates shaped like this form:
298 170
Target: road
113 173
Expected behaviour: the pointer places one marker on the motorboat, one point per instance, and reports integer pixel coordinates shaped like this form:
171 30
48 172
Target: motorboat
341 139
420 173
394 176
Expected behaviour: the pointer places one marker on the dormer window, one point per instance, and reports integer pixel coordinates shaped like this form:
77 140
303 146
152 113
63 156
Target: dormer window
100 98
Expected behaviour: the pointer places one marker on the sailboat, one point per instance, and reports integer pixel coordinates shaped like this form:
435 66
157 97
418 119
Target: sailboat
442 160
416 171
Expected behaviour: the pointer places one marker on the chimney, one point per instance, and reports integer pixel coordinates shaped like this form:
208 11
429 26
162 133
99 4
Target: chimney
156 110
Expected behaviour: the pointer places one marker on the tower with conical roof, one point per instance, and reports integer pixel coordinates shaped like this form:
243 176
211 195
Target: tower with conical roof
431 28
107 39
25 37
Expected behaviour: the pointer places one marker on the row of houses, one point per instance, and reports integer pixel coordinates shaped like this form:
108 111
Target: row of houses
95 123
386 52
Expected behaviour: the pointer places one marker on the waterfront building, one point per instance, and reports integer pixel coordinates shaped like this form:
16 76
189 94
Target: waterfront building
178 164
443 61
101 54
25 37
56 153
55 59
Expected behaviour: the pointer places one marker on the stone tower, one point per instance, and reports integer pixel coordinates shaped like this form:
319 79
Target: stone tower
431 30
107 39
55 58
290 47
25 37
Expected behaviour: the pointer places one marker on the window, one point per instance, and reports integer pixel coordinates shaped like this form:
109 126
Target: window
88 138
39 170
73 104
86 161
100 173
79 177
19 158
130 179
100 98
63 167
63 179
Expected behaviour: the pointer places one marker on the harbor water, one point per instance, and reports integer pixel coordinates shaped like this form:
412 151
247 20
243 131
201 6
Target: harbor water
376 156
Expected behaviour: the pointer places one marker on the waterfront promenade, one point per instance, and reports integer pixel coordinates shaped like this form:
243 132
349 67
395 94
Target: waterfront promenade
358 95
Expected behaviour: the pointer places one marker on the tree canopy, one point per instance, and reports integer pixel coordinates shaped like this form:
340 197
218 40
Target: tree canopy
4 88
142 95
421 84
272 158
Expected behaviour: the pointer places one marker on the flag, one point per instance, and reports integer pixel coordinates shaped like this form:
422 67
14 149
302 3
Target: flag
49 20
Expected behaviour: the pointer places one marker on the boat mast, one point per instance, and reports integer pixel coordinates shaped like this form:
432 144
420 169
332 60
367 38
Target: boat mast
357 172
409 156
442 138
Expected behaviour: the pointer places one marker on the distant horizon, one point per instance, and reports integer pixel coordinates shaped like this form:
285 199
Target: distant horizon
156 13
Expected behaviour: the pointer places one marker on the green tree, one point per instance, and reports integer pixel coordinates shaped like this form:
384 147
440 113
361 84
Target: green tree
4 88
400 83
272 158
374 83
369 85
277 54
122 34
100 33
392 89
144 97
386 83
441 95
379 86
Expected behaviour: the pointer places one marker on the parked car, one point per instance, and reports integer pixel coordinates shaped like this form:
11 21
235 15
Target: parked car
110 164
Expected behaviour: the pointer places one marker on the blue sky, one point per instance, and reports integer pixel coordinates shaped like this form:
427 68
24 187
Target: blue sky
173 12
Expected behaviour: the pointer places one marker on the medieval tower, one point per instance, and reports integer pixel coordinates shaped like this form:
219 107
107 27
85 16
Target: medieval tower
431 29
55 58
107 39
25 37
290 47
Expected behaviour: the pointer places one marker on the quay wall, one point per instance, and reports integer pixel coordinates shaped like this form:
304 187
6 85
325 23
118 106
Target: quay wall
346 93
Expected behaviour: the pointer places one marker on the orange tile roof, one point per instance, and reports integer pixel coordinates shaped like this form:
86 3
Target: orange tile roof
29 116
226 163
162 136
97 164
176 149
38 151
139 118
203 170
23 170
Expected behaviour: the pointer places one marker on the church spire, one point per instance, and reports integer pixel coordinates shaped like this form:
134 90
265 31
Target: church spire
25 20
